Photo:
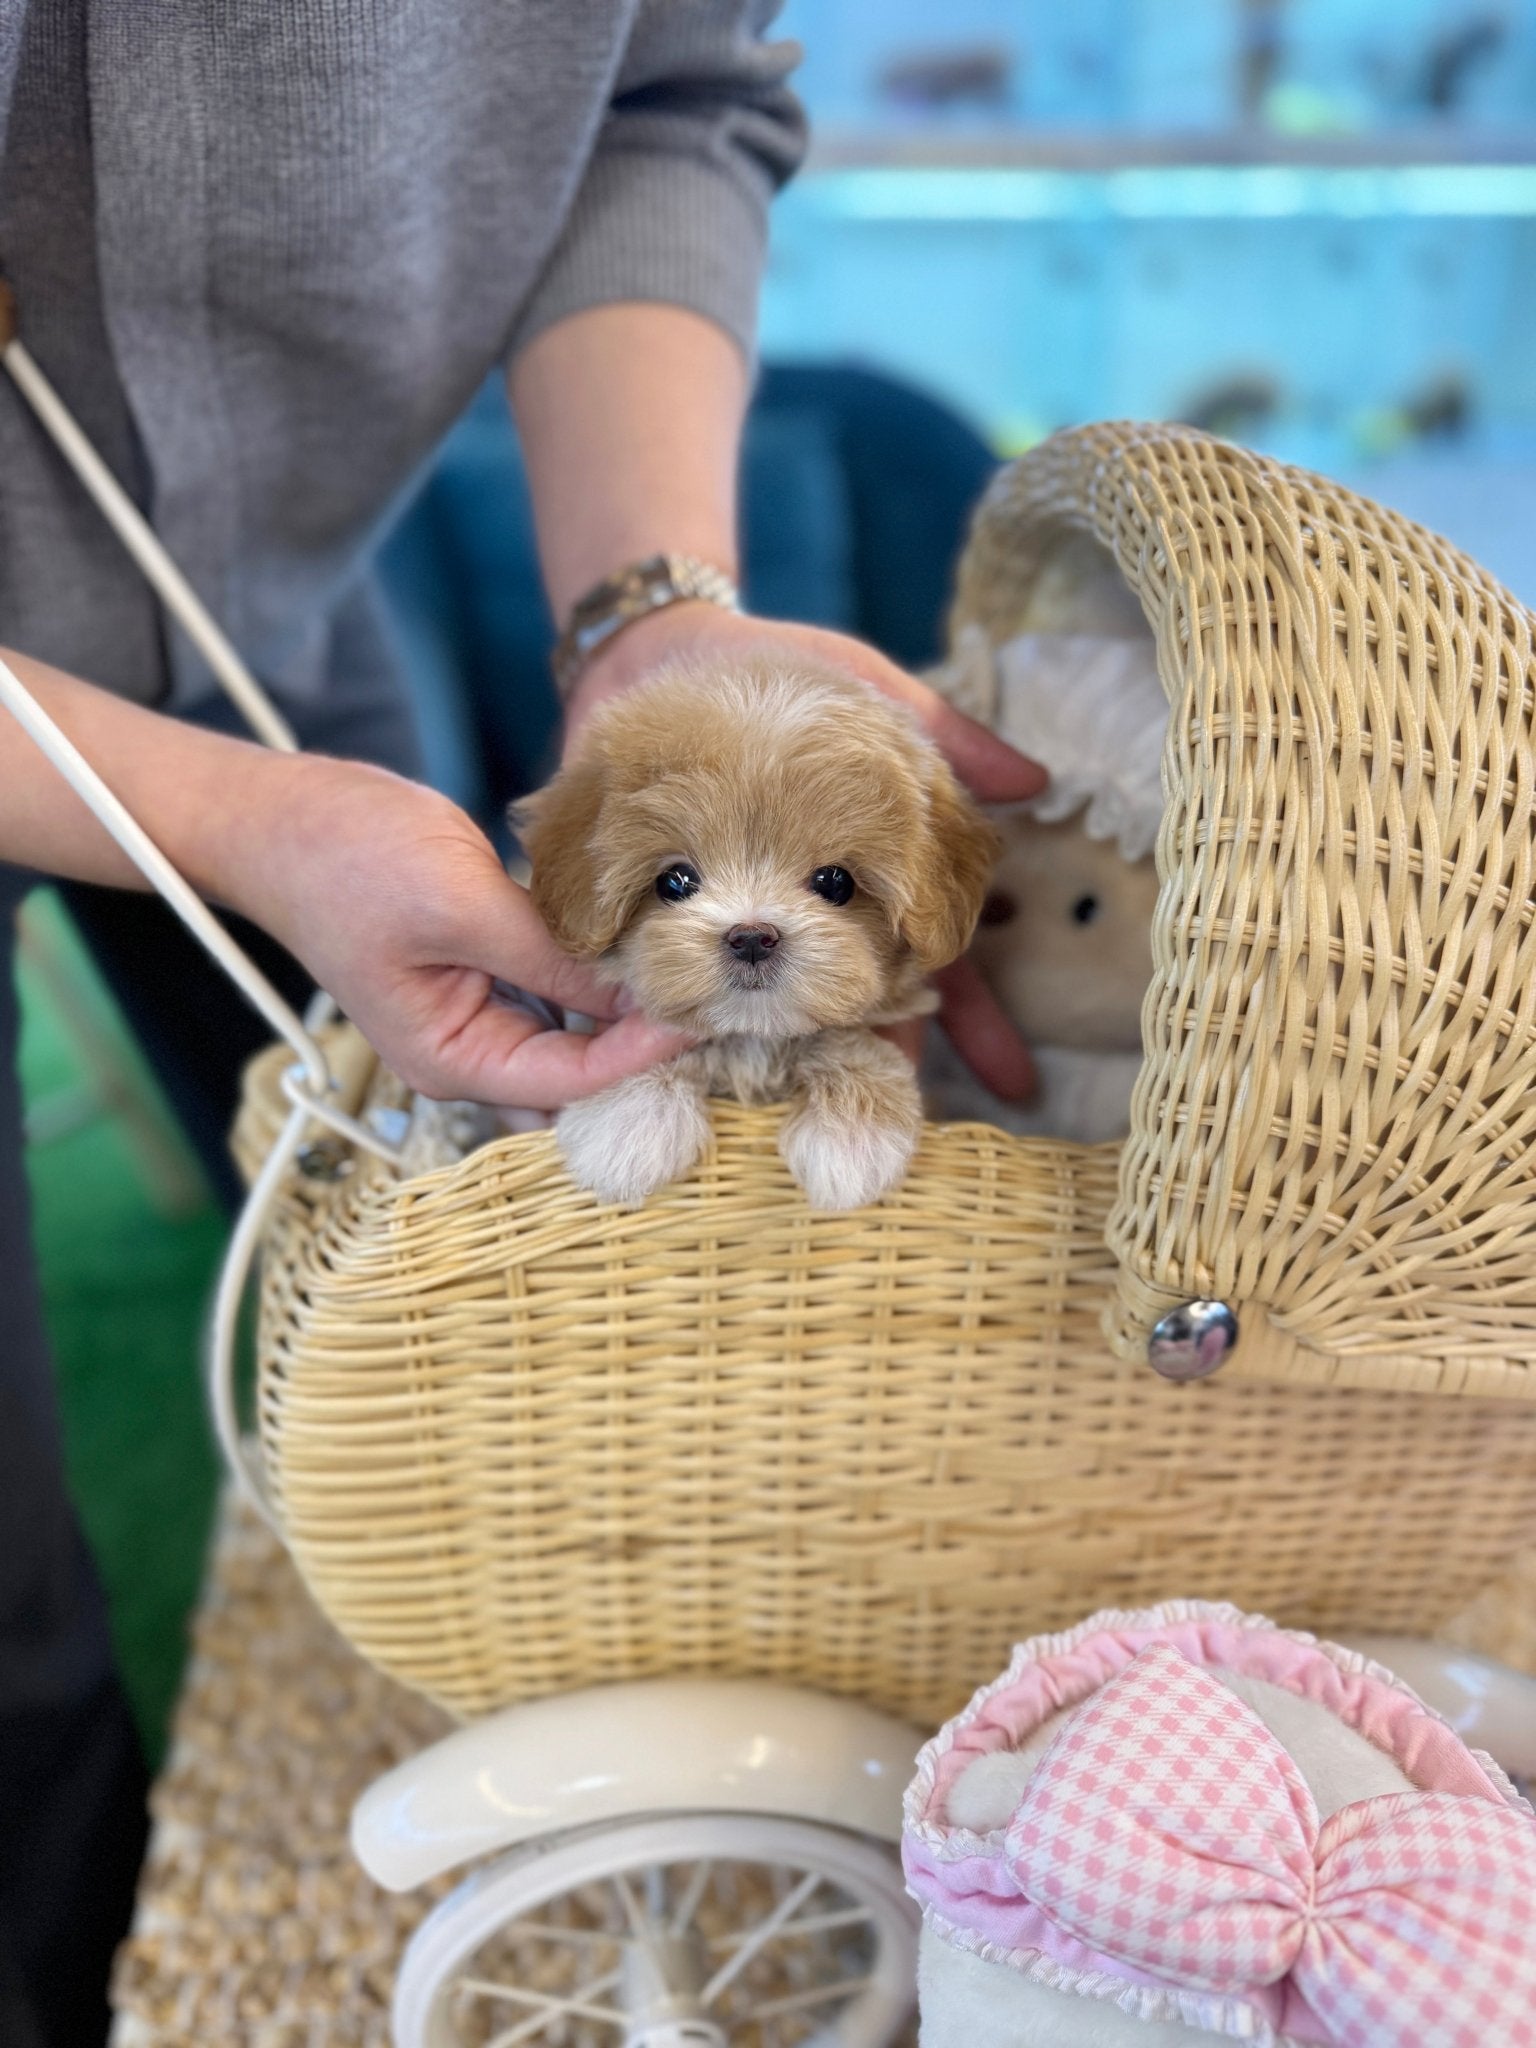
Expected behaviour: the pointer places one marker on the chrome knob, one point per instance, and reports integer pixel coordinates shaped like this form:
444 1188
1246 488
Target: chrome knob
1191 1342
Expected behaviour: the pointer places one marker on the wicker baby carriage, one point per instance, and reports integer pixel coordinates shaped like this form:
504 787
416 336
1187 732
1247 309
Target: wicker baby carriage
519 1443
523 1447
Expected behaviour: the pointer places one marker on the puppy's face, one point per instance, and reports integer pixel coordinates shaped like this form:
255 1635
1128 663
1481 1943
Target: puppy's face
766 852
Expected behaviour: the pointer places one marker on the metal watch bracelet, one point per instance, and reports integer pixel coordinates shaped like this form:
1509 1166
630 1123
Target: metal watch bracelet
634 593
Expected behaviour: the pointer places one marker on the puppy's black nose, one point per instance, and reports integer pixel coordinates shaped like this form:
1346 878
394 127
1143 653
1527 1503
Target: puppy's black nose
751 942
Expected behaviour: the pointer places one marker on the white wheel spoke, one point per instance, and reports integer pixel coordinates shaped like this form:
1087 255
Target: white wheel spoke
634 1919
752 1944
566 1937
640 1924
688 1904
801 2001
549 2003
528 2030
815 1923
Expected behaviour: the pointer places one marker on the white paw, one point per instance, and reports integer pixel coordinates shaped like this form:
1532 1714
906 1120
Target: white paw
634 1138
842 1164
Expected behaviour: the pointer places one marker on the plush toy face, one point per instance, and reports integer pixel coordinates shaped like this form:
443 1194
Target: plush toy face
1065 939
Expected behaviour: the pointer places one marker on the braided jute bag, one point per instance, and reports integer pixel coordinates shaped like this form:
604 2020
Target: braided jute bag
519 1443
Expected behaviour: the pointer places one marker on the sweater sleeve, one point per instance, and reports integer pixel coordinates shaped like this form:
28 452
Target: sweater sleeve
672 206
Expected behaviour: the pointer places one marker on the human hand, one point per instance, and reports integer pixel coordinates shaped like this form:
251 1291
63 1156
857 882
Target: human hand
991 769
397 904
980 1030
968 1011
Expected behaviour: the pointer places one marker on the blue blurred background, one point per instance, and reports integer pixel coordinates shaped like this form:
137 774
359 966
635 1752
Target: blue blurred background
1309 224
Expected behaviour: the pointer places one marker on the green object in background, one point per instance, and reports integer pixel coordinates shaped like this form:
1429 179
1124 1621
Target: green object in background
126 1288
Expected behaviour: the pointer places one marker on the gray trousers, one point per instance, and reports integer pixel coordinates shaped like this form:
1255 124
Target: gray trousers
72 1784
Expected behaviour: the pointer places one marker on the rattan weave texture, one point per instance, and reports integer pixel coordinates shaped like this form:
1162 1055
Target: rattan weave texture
1335 1120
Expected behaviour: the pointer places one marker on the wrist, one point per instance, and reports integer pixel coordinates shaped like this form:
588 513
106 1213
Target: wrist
227 826
643 647
611 608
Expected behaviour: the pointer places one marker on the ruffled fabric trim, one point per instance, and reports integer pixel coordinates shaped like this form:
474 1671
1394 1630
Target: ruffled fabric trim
1234 2019
1090 709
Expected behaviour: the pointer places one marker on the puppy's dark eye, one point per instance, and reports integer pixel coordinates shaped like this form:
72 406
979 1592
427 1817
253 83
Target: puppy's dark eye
674 884
835 884
1085 910
999 908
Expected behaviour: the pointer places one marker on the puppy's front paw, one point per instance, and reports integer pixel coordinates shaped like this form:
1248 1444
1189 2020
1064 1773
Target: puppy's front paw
634 1138
846 1162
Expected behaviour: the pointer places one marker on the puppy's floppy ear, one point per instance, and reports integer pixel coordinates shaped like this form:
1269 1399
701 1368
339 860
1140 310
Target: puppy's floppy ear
558 826
950 874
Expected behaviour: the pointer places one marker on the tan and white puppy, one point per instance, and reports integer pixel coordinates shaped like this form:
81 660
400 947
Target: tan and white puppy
775 859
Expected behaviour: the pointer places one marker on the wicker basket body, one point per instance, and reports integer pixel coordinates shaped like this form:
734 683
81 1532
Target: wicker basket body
520 1444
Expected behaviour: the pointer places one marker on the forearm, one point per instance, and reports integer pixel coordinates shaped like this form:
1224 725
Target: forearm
395 902
208 802
630 419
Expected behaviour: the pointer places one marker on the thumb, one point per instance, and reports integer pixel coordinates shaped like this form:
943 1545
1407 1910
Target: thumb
519 1066
500 933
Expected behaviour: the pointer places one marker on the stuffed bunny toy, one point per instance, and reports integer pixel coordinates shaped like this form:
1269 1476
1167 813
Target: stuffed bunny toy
1187 1822
1065 934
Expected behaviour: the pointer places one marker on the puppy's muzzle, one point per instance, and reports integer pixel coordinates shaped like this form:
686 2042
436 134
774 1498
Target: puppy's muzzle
751 943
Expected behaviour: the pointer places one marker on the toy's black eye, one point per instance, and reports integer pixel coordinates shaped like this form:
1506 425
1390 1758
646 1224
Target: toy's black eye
675 884
1085 910
835 884
999 908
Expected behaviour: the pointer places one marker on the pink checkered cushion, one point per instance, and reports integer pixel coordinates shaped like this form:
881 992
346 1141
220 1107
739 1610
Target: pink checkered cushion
1167 1838
1168 1827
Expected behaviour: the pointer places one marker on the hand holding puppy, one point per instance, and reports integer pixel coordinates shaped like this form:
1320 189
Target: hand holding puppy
992 770
399 906
388 894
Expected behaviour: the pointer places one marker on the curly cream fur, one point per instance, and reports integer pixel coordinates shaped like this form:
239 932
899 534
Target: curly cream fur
756 777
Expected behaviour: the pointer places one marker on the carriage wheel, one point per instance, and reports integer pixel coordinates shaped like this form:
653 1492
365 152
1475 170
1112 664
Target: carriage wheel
693 1930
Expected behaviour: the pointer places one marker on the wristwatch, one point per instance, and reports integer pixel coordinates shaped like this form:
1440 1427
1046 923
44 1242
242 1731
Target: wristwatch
642 588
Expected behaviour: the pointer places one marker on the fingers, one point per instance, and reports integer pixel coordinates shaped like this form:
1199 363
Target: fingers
556 1067
908 1036
988 766
983 1035
991 769
505 1058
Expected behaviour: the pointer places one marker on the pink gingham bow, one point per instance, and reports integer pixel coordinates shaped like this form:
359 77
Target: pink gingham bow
1167 1828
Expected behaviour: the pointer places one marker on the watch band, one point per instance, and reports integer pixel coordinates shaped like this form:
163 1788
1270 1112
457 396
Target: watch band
635 592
